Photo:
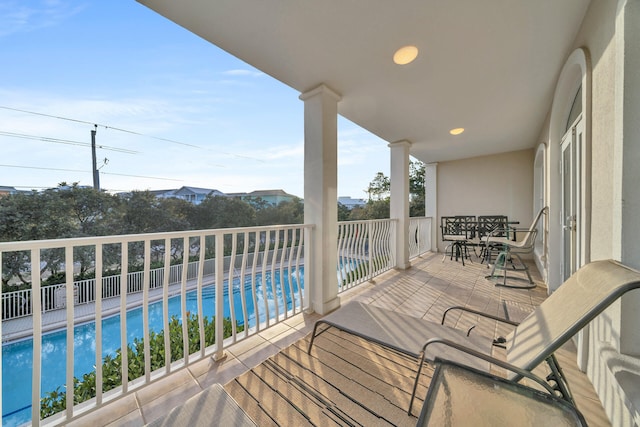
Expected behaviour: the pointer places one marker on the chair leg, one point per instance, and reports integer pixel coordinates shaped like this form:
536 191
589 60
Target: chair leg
445 251
507 256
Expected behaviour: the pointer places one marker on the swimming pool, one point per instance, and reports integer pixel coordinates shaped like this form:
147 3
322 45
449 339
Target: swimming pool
17 357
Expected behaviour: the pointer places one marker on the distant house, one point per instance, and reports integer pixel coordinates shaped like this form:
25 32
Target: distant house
194 195
351 203
5 191
273 197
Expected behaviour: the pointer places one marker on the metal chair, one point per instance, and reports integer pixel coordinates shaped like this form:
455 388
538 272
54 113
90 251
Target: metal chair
514 248
457 230
488 224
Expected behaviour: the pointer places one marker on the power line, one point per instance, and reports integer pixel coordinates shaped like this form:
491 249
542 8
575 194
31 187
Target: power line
84 171
127 131
98 124
64 141
142 176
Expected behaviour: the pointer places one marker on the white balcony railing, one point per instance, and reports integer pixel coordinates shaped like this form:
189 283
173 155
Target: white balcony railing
419 236
364 251
259 283
254 276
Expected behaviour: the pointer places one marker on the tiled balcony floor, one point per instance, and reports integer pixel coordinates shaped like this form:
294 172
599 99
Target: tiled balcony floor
424 290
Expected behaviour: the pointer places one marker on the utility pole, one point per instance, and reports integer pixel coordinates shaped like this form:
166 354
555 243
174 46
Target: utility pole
96 174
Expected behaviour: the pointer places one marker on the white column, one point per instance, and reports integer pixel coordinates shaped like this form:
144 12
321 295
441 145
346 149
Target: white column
399 208
431 201
321 195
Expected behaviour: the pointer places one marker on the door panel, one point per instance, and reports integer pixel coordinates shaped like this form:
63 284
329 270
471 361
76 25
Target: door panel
571 153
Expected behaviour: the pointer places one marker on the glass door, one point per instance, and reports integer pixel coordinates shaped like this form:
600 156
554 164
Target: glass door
571 154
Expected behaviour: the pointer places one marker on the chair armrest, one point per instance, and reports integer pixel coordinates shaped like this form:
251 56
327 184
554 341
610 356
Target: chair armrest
505 365
479 313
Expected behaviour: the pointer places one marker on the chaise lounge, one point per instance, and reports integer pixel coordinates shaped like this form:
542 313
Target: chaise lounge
532 341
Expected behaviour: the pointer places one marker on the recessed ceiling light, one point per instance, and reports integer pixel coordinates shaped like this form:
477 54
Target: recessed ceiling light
456 131
405 55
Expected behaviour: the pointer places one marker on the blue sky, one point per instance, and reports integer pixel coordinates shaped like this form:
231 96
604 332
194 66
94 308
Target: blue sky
171 109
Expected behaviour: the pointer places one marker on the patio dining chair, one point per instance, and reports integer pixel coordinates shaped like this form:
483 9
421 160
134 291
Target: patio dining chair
513 248
458 231
494 225
577 302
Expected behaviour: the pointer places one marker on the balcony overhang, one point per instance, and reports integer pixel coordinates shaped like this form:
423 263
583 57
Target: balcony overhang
488 67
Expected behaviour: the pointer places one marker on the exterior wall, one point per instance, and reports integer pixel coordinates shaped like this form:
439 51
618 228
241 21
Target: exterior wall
608 345
501 184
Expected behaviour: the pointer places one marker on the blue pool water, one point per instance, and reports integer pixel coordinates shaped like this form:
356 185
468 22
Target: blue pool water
17 357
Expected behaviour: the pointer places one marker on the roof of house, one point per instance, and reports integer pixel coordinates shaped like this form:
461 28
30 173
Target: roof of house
262 193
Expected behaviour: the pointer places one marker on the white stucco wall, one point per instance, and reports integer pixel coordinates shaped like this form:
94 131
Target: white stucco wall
615 133
501 184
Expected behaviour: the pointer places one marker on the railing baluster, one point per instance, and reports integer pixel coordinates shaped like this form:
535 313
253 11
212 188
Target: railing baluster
254 274
124 286
68 262
146 283
219 309
183 298
98 326
230 285
203 345
243 297
272 282
37 337
165 304
265 256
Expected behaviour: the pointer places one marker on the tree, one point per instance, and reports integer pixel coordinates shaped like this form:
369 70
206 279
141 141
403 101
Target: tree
416 188
89 208
285 212
223 212
344 212
379 191
379 188
140 213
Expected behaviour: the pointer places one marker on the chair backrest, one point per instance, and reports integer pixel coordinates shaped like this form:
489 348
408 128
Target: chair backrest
528 240
458 225
490 223
578 301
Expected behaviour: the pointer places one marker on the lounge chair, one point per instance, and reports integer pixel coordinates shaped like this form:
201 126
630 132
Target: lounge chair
462 396
578 301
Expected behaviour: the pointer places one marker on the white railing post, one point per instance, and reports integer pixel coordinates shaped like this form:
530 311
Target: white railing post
370 232
146 283
165 304
124 287
37 337
219 294
98 297
68 262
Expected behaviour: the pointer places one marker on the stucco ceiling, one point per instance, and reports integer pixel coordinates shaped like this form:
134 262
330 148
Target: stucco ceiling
488 66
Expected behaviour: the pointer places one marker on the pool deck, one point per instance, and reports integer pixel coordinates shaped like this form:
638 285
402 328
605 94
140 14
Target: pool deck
22 327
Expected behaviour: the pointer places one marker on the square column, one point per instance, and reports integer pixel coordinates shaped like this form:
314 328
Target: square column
399 209
321 196
431 201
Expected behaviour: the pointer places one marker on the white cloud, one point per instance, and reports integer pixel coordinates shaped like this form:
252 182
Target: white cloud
16 17
243 72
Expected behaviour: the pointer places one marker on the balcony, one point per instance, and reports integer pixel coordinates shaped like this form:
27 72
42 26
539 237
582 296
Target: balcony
427 287
280 324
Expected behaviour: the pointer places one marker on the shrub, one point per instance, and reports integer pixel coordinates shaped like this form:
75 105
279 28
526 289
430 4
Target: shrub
85 388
